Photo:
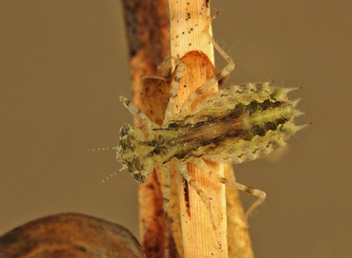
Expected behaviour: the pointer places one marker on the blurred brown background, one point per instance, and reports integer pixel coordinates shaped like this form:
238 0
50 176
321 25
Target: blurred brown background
65 63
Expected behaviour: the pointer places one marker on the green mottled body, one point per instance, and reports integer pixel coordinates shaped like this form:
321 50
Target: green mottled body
234 125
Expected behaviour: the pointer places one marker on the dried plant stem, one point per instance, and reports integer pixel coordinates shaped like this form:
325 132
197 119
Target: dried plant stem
188 21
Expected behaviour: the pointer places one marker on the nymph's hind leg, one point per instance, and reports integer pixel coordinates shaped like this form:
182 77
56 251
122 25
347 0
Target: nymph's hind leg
186 107
258 193
166 201
173 94
137 113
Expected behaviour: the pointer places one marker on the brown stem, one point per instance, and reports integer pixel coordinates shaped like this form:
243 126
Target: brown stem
148 33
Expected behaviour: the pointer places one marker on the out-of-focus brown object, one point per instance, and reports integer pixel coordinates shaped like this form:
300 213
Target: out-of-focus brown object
70 235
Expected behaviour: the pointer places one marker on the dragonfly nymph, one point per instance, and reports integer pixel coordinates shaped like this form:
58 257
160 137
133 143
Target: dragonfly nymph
233 125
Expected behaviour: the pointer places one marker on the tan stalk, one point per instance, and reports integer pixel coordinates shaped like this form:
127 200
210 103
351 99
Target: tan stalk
188 19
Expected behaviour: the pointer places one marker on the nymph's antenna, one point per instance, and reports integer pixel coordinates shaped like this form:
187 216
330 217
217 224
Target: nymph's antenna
99 149
107 178
117 158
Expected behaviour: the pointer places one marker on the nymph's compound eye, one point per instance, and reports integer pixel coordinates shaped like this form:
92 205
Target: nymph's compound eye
124 130
139 178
